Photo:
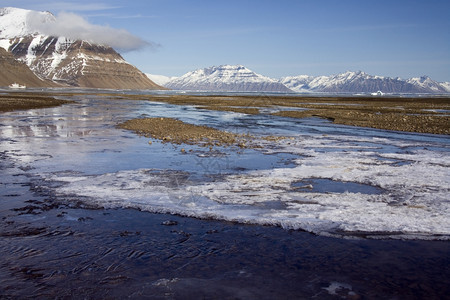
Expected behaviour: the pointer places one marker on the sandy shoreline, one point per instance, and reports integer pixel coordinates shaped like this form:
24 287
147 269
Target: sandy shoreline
24 101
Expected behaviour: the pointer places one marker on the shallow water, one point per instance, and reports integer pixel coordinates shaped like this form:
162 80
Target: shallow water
68 177
54 250
330 186
77 152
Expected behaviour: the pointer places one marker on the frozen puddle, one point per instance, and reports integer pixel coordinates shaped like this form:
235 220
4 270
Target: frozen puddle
320 185
342 290
325 179
327 193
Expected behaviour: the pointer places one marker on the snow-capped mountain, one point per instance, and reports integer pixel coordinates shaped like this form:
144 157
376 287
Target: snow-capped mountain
240 79
298 83
226 78
160 79
360 82
349 82
429 84
446 86
63 60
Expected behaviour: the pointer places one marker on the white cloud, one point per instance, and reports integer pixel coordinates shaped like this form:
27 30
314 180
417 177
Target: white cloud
75 27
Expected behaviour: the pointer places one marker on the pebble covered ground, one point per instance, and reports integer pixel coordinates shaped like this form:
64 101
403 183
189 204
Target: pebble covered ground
421 114
178 132
23 101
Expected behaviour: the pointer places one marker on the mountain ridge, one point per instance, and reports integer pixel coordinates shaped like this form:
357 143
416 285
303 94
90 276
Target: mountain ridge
62 61
361 82
160 79
346 82
226 78
13 71
66 61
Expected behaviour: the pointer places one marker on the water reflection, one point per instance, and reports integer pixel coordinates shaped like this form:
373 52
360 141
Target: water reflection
82 138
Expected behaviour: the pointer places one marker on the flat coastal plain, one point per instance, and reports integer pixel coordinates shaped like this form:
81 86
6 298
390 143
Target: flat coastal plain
421 114
424 115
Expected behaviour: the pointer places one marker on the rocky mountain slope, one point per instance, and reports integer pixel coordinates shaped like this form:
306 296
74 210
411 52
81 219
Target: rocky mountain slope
13 71
62 60
429 84
360 82
226 78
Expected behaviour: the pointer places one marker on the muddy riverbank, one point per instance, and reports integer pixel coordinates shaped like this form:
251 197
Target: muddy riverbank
178 132
420 114
174 131
23 101
424 115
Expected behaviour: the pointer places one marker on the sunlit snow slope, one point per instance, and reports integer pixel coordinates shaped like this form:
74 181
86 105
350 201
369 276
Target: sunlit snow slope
226 78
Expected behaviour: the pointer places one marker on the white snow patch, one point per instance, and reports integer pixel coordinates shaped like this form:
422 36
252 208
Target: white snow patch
446 86
410 206
5 44
226 78
335 287
13 22
160 79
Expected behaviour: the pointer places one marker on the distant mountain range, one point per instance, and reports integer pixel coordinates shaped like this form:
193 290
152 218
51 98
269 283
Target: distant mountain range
60 60
360 82
160 79
30 57
229 78
226 78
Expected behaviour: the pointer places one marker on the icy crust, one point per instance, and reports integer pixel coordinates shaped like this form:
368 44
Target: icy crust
414 201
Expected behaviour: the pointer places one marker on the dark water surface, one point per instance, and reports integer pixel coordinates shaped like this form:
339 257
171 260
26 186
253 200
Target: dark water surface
55 246
66 251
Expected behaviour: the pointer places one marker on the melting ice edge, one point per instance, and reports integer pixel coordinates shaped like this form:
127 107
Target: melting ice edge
413 203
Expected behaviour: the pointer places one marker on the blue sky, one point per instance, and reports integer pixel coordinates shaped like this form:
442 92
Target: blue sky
277 38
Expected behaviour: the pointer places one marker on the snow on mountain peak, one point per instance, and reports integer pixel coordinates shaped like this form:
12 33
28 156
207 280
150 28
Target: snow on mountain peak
226 73
68 49
160 79
361 82
18 22
428 83
226 78
421 79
